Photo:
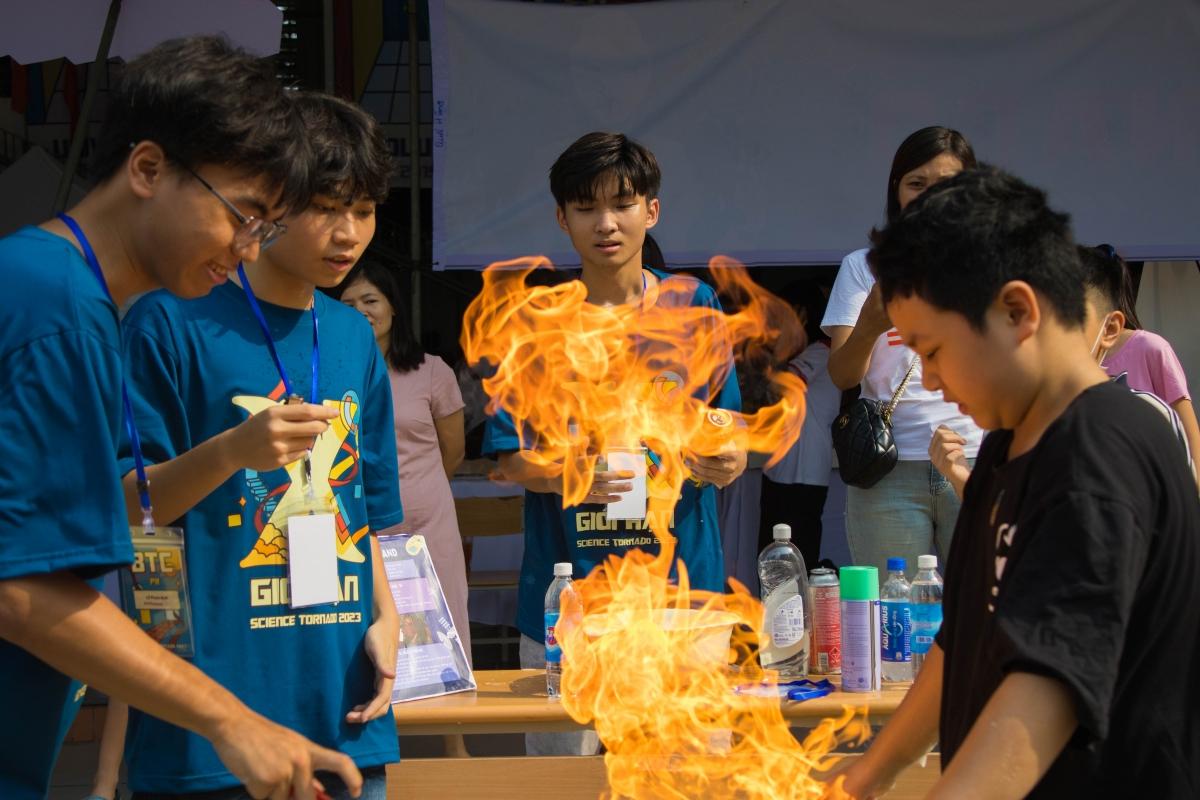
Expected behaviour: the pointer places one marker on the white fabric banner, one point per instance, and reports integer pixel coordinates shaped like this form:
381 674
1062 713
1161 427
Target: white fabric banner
775 121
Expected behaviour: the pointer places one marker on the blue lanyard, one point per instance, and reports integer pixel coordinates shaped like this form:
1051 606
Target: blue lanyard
314 397
143 485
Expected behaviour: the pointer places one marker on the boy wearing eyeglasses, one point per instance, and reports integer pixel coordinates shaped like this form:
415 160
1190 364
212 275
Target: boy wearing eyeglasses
264 409
193 106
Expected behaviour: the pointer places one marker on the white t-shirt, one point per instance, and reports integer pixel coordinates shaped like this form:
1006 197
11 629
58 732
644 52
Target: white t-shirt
811 458
920 411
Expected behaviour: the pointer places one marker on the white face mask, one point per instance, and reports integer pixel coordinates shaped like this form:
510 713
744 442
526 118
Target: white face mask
1098 354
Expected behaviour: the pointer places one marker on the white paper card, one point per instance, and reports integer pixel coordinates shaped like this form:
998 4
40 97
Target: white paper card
312 560
632 504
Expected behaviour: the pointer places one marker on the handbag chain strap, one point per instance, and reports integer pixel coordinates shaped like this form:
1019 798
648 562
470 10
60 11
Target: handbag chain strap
891 406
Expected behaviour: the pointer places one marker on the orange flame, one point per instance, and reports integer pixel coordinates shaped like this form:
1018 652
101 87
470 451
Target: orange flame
648 666
645 659
588 378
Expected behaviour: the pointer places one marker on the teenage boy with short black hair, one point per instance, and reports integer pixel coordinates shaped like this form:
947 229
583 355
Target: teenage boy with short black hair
1067 662
606 190
213 381
187 108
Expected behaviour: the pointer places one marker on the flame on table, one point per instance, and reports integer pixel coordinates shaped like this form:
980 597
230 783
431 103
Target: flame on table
584 379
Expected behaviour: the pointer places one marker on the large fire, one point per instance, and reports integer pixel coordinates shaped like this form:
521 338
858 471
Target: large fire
646 659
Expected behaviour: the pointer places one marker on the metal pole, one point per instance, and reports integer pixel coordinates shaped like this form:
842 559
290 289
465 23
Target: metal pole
328 29
414 152
85 113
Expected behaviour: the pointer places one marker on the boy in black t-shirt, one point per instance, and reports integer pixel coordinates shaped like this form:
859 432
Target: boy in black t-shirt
1068 660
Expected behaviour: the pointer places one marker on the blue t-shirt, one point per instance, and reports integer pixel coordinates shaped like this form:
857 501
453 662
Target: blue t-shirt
61 505
198 368
584 535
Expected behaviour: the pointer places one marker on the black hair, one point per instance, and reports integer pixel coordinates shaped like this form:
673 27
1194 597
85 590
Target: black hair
404 351
351 158
958 243
808 295
595 157
204 101
1107 273
919 148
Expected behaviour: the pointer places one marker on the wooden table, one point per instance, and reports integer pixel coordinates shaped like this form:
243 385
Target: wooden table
514 701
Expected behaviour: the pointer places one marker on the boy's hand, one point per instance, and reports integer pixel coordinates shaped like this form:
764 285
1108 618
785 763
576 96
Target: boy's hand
276 436
381 643
947 454
272 761
720 470
607 487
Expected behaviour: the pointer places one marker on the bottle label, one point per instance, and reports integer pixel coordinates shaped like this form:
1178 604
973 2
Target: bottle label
787 623
827 630
553 648
926 621
895 624
860 646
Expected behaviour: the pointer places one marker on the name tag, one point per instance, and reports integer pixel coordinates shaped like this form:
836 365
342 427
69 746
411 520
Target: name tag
154 589
312 559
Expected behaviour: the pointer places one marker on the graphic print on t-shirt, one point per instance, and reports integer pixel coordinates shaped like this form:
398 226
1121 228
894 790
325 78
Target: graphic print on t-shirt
334 463
1005 533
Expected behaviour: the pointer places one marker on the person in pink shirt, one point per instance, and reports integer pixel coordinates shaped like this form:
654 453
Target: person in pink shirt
1145 358
430 440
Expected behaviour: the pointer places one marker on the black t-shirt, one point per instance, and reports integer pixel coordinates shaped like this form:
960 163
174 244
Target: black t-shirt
1080 560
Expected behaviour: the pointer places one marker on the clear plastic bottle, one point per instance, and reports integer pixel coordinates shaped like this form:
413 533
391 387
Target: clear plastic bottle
787 621
561 583
926 609
895 623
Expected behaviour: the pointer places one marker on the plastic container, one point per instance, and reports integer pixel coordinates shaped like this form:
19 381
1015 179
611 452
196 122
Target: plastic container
861 670
926 609
561 583
787 625
895 624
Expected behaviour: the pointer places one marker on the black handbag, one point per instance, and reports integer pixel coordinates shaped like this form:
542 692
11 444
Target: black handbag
862 438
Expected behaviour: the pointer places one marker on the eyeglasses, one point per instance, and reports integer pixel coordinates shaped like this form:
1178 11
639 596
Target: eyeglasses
251 230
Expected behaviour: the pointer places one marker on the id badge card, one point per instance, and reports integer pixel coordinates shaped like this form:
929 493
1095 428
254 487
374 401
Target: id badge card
312 553
154 590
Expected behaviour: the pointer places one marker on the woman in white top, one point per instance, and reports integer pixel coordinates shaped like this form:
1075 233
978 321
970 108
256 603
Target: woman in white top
912 510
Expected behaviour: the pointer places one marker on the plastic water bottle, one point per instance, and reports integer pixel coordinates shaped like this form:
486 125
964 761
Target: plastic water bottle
895 624
926 609
787 622
561 583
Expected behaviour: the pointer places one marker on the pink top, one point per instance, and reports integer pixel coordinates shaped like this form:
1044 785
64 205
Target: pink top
419 397
1151 365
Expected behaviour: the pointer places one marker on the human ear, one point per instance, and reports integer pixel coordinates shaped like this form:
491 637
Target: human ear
1018 305
145 168
652 213
1113 325
561 215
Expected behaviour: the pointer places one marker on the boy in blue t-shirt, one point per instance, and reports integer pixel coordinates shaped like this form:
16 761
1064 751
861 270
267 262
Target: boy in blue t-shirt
187 119
210 401
606 190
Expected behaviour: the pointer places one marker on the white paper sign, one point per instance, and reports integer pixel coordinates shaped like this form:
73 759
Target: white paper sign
312 560
632 504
